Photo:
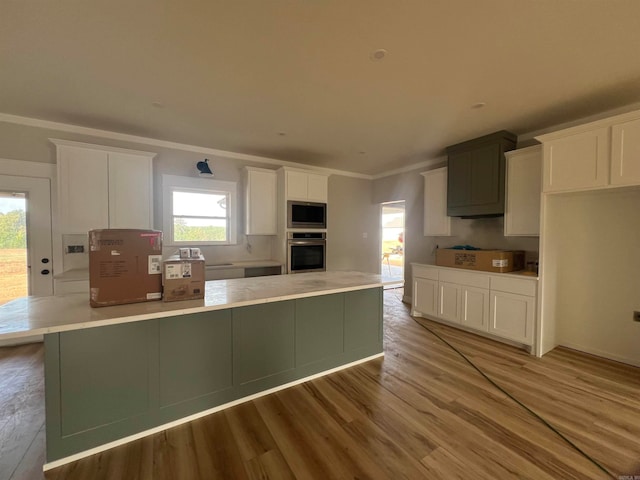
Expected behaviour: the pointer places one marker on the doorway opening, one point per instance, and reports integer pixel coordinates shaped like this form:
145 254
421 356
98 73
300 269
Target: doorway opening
393 247
14 270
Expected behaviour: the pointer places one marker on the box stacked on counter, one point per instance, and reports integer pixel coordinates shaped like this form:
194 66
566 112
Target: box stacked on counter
124 266
183 276
499 261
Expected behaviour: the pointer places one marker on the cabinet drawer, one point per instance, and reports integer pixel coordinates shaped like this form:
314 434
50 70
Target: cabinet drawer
470 279
519 286
423 271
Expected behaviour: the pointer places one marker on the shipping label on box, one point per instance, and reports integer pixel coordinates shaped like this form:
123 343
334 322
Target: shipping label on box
177 270
155 264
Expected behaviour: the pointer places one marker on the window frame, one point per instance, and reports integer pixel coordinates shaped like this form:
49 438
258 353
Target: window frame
172 183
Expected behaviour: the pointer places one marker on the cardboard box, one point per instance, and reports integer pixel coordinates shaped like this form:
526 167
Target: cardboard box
124 266
183 278
500 261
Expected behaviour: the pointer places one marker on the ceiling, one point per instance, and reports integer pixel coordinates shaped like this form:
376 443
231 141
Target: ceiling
298 80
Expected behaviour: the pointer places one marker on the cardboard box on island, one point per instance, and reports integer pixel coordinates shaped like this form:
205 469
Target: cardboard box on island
124 266
183 278
499 261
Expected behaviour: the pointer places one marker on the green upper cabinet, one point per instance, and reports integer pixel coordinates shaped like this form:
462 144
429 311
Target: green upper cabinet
476 178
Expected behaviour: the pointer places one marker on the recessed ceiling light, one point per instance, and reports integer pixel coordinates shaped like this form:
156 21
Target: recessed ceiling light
478 105
378 55
158 104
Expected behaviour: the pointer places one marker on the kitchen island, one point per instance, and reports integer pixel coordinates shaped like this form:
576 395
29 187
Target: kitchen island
114 374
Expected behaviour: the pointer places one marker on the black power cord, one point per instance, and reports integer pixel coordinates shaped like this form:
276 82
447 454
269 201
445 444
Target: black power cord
544 422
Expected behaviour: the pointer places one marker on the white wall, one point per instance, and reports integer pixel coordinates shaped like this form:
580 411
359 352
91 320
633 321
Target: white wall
593 239
351 214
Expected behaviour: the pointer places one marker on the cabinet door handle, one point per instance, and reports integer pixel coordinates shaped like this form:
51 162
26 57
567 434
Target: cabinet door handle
44 272
45 260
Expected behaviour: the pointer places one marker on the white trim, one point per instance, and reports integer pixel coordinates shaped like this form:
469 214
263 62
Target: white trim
409 168
92 146
195 416
620 114
64 127
599 353
26 168
169 182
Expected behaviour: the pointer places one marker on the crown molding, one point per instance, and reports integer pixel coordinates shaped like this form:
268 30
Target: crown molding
409 168
124 137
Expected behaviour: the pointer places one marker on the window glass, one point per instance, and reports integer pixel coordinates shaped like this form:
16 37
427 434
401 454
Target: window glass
199 212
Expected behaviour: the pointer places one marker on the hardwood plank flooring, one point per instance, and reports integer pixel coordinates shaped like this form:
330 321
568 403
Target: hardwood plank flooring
419 412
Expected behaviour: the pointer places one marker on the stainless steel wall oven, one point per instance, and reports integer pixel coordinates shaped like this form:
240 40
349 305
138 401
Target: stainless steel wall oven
306 252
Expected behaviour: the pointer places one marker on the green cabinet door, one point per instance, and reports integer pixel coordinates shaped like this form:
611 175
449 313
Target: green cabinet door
195 360
105 375
263 345
363 320
319 328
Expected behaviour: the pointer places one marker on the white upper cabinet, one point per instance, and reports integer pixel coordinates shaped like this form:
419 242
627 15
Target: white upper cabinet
130 191
625 153
83 183
317 187
577 161
436 221
596 155
260 201
523 189
301 185
103 187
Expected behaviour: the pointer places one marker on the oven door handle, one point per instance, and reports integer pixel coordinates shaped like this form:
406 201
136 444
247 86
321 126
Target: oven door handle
303 242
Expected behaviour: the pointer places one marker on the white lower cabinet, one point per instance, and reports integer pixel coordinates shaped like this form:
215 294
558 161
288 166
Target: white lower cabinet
475 308
512 316
502 305
449 301
425 295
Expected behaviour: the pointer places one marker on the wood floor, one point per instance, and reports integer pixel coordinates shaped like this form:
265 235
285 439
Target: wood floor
419 412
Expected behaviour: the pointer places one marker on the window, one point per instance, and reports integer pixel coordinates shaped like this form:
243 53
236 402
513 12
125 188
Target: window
199 211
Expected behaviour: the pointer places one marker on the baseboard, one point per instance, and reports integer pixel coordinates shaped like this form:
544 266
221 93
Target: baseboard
600 353
407 299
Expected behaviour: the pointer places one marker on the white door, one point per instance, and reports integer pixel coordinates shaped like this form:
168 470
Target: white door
37 193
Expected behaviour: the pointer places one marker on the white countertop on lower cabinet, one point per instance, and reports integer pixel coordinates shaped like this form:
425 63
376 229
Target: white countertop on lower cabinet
519 273
41 315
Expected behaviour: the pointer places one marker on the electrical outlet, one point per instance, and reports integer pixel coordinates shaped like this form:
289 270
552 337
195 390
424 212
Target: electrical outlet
636 316
75 248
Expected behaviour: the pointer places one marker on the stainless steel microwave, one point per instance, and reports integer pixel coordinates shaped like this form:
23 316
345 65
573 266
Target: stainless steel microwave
306 214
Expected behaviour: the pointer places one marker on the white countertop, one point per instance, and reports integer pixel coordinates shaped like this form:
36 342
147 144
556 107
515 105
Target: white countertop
41 315
518 273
